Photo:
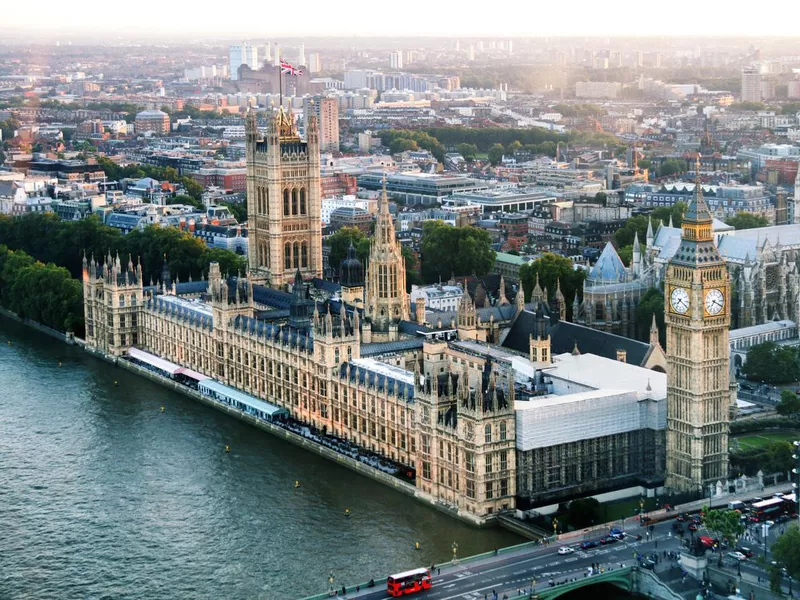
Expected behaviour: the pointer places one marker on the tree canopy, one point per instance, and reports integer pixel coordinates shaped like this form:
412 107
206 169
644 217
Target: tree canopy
584 512
652 303
496 154
743 220
789 404
771 363
340 241
49 239
449 251
726 524
552 269
43 293
786 550
773 457
468 151
671 166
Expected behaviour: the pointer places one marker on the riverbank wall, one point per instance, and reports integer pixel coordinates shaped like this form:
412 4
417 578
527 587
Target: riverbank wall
290 436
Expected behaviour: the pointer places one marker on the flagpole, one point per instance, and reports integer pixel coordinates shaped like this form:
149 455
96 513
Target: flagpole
280 84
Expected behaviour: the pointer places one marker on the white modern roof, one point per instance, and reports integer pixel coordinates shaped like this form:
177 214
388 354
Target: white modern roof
607 374
385 369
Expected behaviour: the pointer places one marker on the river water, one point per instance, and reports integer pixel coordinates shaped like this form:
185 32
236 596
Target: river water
104 496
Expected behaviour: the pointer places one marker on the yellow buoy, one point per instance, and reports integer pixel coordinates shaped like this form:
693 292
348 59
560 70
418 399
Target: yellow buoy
297 484
227 448
162 409
59 364
346 512
416 545
115 382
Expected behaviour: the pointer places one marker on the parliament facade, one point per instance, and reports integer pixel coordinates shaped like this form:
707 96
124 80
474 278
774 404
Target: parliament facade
465 416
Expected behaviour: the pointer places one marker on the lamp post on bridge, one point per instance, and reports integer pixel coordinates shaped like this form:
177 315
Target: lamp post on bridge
331 579
555 527
455 550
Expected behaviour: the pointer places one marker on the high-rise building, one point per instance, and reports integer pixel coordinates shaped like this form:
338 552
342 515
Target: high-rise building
396 60
267 53
276 57
242 54
301 56
751 84
471 52
283 200
698 356
794 206
326 111
314 63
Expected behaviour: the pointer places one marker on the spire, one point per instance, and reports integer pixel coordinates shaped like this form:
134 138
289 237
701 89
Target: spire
575 351
537 295
649 235
670 221
519 300
501 296
384 202
698 209
654 332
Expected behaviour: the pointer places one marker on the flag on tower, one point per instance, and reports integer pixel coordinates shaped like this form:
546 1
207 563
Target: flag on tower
288 69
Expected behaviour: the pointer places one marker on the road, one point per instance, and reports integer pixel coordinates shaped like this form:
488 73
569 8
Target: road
510 572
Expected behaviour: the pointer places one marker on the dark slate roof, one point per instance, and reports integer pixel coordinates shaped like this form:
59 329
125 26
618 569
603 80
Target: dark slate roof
368 350
501 313
286 335
191 287
564 335
270 297
323 284
412 328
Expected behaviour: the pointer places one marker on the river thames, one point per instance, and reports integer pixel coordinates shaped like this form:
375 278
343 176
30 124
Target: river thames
104 496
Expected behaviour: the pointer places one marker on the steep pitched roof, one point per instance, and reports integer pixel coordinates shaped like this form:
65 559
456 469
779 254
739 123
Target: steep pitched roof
609 267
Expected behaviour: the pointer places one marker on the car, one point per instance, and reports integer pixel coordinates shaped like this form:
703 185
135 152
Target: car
692 526
707 541
746 386
769 523
736 555
587 545
609 540
566 550
746 551
618 535
680 518
754 519
648 563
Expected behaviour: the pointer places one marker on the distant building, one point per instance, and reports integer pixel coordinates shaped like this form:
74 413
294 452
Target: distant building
597 89
242 54
751 84
438 297
396 60
152 120
351 216
326 109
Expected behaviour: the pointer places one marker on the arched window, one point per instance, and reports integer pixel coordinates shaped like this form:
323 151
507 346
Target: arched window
304 254
296 255
294 201
302 201
287 256
503 432
286 202
599 312
487 434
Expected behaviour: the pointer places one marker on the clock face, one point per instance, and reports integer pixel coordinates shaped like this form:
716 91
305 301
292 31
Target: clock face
679 300
715 302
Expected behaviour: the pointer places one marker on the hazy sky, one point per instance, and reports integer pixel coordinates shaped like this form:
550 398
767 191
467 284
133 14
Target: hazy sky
406 17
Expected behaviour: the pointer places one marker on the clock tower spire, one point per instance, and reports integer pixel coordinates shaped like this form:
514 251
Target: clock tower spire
697 319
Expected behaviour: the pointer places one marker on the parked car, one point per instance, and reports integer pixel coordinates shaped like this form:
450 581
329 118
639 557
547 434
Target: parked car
609 540
566 550
746 551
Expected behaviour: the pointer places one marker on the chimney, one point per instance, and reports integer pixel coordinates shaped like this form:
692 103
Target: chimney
622 355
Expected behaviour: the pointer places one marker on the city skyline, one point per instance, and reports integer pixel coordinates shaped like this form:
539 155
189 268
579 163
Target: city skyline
416 19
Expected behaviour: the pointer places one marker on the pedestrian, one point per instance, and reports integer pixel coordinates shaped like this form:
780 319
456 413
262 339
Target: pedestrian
438 571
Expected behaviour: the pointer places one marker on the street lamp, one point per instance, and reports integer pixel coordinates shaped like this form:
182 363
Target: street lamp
641 508
555 527
533 586
455 550
331 579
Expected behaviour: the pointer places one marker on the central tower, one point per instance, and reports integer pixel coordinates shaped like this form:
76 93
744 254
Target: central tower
283 201
385 297
697 288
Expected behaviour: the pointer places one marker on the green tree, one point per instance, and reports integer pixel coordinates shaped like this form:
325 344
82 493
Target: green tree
468 151
448 251
626 253
412 267
340 241
625 236
789 404
553 270
671 166
743 220
727 524
601 197
514 147
662 214
238 210
496 154
786 551
771 363
402 145
583 512
651 303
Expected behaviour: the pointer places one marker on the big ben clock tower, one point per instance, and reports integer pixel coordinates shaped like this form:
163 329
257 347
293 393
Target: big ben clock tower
697 289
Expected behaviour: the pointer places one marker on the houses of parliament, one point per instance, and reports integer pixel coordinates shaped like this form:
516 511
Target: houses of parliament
470 402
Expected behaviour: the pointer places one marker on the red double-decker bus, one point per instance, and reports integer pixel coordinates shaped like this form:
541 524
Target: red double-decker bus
408 582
